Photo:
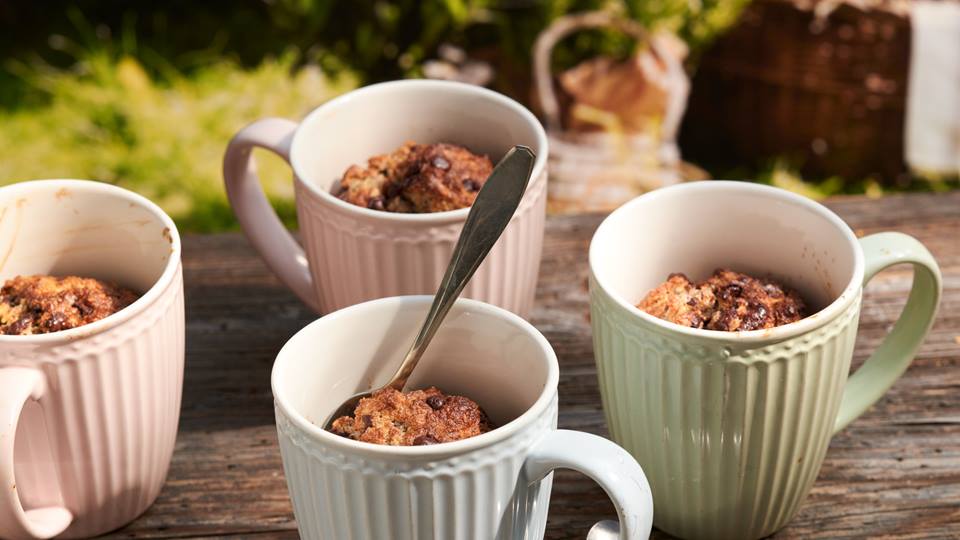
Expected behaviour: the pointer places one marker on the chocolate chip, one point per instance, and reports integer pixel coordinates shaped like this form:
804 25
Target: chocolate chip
375 203
407 180
20 325
435 402
56 322
754 318
392 190
471 185
424 440
441 163
731 291
367 421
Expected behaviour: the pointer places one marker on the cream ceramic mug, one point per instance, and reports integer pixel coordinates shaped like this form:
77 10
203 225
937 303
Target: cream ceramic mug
88 416
732 427
492 486
352 254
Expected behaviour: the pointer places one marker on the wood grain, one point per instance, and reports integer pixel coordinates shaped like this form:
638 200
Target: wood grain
894 473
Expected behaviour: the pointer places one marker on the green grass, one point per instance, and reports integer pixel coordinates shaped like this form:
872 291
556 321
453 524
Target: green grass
107 119
780 173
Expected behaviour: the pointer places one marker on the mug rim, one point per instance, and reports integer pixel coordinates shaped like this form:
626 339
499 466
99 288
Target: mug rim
141 303
752 337
502 433
427 218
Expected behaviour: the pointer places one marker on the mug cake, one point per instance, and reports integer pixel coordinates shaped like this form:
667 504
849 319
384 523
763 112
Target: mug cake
727 301
32 305
417 178
415 418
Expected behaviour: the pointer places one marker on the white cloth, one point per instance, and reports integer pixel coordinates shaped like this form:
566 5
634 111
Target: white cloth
933 95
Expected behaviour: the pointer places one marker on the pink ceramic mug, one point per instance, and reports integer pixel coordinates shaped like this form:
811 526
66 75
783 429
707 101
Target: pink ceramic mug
88 416
353 254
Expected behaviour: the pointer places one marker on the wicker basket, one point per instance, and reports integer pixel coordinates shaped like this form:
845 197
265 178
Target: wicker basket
820 83
599 170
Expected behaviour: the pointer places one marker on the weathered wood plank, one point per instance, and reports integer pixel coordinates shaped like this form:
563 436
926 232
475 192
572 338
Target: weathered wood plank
894 473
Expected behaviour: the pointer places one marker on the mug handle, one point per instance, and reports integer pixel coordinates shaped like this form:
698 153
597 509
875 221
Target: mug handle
892 357
17 385
257 218
617 472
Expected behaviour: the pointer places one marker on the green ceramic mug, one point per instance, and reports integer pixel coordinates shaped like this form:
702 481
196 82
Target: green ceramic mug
731 428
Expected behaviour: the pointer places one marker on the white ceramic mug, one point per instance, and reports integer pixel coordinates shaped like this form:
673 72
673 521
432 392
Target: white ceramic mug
354 254
495 485
88 416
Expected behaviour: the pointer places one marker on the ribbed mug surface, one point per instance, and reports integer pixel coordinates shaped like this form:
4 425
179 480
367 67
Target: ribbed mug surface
731 438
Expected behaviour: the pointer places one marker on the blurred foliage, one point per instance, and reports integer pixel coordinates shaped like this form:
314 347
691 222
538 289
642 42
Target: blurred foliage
107 119
781 173
374 39
146 95
161 34
387 40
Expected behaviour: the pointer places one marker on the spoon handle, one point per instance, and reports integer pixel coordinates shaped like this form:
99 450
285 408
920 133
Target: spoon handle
488 217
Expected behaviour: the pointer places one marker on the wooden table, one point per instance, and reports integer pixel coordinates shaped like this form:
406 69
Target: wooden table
895 472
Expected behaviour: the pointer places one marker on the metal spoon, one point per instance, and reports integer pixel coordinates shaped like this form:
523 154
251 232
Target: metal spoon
488 217
604 530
